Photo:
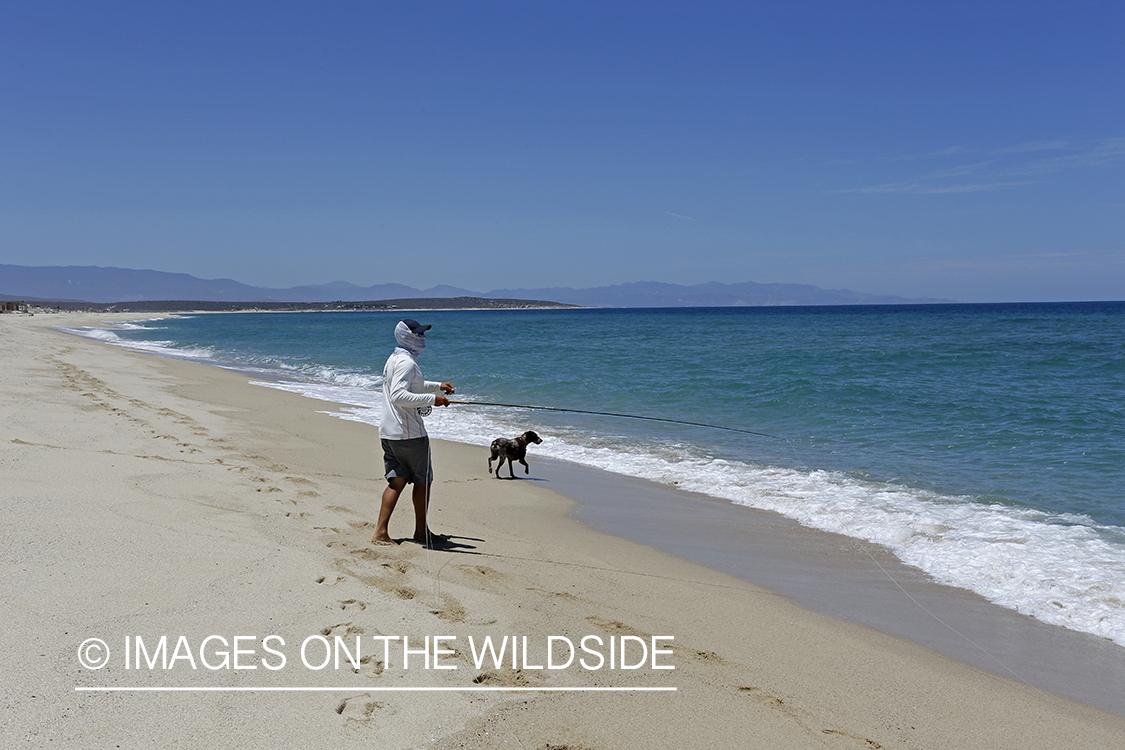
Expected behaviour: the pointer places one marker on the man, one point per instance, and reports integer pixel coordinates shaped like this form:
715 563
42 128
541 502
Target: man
407 398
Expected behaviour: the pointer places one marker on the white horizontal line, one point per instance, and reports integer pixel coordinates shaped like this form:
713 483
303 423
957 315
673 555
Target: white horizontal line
479 689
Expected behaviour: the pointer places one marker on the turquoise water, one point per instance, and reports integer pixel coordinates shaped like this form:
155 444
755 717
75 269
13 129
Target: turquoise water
982 443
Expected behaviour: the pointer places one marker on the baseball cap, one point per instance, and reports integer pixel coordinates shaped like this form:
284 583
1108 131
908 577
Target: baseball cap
415 327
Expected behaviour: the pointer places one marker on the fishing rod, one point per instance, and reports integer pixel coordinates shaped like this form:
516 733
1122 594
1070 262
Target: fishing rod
626 416
638 416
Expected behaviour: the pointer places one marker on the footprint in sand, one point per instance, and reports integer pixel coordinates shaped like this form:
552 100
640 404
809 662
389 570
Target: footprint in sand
855 740
505 678
342 629
359 708
399 566
616 626
803 719
369 666
451 610
480 570
339 509
773 702
556 594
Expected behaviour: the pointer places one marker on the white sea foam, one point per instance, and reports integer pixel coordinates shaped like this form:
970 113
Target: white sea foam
140 325
1065 570
333 380
165 348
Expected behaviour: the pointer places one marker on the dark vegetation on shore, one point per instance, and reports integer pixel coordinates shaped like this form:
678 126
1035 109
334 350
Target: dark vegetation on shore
422 303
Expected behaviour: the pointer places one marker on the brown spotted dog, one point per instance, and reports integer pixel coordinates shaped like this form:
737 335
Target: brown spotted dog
512 450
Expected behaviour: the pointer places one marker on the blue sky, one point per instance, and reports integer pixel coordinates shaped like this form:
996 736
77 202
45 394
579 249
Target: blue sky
964 150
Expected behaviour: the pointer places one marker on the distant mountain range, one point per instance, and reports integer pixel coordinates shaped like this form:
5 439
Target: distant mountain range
103 285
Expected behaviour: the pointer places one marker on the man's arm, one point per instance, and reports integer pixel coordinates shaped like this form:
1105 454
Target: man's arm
399 388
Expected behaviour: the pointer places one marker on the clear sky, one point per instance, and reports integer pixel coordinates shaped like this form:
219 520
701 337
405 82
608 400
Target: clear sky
970 150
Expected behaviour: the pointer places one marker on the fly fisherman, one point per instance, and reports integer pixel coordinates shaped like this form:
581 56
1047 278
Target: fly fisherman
407 398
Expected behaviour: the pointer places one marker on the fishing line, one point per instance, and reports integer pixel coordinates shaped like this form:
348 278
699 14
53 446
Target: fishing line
638 416
429 544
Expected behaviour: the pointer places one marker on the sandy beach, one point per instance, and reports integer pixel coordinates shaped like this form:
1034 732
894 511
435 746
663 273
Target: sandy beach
145 498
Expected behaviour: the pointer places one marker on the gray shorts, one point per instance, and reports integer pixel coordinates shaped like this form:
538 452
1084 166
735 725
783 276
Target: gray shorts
409 459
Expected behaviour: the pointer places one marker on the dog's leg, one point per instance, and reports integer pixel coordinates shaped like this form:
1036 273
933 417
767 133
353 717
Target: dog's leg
511 467
497 452
526 468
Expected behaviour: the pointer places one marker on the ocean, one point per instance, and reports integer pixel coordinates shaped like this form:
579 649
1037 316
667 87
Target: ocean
983 444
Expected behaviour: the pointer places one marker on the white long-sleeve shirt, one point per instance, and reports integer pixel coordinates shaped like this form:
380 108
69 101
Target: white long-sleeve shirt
404 392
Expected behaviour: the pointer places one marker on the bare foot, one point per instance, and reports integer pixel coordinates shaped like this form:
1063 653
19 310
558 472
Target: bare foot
382 539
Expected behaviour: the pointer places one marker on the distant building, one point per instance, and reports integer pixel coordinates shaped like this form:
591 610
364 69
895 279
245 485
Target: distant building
12 306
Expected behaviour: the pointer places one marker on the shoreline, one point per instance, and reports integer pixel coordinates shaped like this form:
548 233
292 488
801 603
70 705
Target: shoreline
189 501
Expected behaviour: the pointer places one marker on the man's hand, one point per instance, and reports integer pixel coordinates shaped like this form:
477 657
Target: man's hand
440 400
448 388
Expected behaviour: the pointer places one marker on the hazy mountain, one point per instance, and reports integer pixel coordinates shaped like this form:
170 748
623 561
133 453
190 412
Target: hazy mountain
99 284
713 294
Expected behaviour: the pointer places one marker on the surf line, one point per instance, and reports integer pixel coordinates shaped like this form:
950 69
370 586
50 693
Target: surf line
638 416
